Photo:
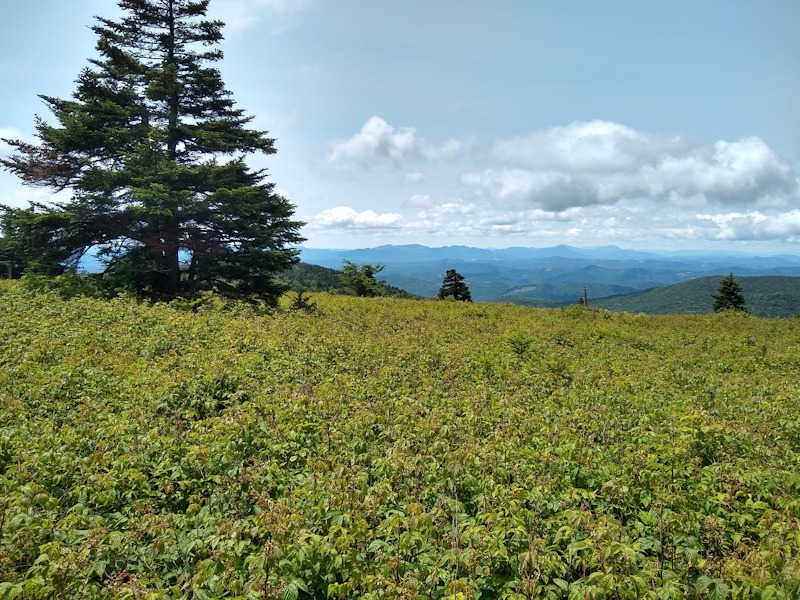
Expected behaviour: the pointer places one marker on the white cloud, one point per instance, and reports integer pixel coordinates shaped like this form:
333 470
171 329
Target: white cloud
454 217
12 133
442 220
784 225
593 182
344 217
379 144
599 162
755 225
239 15
584 147
14 193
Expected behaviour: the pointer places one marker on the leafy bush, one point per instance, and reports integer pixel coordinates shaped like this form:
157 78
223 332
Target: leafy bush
393 448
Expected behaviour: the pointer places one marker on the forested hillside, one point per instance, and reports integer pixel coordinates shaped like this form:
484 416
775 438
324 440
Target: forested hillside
304 277
385 448
765 297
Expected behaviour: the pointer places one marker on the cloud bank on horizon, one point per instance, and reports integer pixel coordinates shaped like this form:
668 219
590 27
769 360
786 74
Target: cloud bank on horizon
588 179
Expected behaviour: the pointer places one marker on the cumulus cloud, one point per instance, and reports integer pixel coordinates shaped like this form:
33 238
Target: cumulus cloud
344 217
755 225
379 144
601 163
244 14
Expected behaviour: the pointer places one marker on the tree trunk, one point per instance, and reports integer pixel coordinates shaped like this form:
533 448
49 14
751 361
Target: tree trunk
174 97
171 257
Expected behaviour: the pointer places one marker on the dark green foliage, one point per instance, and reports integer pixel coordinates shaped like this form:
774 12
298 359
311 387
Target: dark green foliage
152 148
31 240
584 299
360 279
313 278
9 264
453 286
729 296
767 296
12 263
300 300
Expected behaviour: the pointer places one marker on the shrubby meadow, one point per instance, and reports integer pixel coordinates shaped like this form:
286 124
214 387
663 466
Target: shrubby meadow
386 448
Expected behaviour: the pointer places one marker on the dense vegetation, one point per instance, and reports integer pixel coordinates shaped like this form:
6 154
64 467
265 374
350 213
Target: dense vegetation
392 448
767 296
313 278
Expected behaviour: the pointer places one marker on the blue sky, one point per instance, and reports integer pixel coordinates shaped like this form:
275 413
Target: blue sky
638 123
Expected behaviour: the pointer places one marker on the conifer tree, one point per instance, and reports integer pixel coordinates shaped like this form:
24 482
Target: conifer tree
453 286
153 151
729 296
10 264
360 279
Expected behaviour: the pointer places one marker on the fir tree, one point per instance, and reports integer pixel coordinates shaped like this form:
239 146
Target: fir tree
453 286
153 150
729 296
20 247
360 279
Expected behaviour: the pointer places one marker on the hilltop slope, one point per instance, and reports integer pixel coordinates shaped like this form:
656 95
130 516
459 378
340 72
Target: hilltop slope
767 296
394 448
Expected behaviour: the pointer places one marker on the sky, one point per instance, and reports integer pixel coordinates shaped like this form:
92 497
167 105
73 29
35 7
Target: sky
642 124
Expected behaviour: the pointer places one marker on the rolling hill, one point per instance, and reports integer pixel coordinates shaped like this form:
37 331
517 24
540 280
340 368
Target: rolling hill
766 296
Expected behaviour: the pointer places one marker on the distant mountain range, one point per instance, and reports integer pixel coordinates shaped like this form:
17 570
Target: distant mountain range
557 276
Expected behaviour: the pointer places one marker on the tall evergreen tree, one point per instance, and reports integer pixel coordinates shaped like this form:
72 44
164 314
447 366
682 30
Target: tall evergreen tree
453 286
729 296
153 150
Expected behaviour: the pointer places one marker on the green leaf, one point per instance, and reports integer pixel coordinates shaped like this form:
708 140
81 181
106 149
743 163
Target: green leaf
291 592
9 591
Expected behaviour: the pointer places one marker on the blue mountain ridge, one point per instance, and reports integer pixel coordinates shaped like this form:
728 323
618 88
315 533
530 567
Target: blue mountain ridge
549 276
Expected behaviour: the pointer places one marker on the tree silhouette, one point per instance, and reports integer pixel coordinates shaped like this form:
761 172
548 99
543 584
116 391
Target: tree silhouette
453 286
729 296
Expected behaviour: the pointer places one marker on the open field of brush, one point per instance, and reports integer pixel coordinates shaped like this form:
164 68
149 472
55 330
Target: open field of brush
380 448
